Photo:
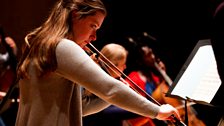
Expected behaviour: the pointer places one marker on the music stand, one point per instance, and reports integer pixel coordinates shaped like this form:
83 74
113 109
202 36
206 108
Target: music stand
198 80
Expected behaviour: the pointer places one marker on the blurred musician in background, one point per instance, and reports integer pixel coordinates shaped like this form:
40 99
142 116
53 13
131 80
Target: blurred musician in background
8 51
112 115
147 74
8 62
217 40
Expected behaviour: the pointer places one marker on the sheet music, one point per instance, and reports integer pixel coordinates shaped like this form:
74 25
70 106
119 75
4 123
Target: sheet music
200 80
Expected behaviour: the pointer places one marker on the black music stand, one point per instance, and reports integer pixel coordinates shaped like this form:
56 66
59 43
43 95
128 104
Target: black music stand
198 80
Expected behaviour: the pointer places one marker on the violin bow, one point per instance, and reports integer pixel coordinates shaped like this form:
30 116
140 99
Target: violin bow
135 87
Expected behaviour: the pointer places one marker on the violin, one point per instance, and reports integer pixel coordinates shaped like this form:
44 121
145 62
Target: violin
188 115
174 121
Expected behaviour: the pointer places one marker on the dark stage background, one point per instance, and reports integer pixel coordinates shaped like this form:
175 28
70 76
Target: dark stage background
177 25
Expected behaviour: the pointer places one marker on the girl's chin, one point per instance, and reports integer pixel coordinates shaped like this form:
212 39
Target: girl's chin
83 45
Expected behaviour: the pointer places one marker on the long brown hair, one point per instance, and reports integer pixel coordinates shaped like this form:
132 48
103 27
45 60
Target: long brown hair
42 41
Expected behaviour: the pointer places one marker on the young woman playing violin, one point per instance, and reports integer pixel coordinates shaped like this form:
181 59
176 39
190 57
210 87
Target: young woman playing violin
54 66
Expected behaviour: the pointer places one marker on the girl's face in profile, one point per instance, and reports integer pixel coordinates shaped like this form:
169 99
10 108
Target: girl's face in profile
84 29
